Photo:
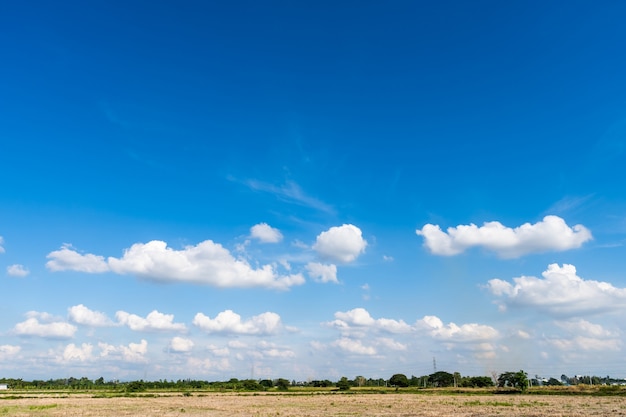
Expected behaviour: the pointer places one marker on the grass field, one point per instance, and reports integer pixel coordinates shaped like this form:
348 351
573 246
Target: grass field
321 404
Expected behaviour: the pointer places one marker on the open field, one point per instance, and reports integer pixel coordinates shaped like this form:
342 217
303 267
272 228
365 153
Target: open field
310 404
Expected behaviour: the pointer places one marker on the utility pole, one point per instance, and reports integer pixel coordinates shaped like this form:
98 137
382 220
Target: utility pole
434 364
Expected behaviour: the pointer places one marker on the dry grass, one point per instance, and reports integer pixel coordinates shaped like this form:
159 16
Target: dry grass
313 405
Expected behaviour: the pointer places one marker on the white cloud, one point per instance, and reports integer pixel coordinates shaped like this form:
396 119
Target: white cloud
322 272
224 351
230 322
73 353
134 352
550 234
471 332
1 243
265 233
391 344
206 263
559 292
584 327
7 351
292 193
52 330
180 344
278 353
582 343
82 315
17 270
585 336
67 259
354 346
342 244
154 321
361 318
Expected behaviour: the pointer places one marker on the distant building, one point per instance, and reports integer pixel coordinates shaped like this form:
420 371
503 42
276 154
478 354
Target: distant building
4 387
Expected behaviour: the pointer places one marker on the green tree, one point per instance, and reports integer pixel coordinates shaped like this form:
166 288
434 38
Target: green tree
282 384
441 379
554 382
477 382
343 384
514 379
399 380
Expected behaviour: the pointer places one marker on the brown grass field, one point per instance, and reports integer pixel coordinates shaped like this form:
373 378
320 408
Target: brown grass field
311 404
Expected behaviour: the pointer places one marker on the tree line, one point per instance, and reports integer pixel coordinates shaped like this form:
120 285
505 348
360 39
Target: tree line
440 379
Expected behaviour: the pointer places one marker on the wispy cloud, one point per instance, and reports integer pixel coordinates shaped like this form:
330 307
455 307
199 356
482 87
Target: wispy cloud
289 192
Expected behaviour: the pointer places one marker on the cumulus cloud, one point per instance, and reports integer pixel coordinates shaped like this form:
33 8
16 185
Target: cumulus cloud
342 244
322 272
278 353
134 352
80 314
51 330
206 263
584 327
390 344
550 234
582 343
1 243
265 233
471 332
230 322
354 346
559 292
361 318
154 321
180 345
17 270
73 353
67 259
7 351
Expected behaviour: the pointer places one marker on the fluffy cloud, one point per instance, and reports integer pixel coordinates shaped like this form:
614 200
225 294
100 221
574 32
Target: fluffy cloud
451 332
154 321
134 352
180 345
354 346
582 343
51 330
559 292
1 243
582 335
550 234
17 270
206 263
67 259
584 327
342 244
278 353
73 353
322 273
7 351
390 344
361 318
265 233
82 315
230 322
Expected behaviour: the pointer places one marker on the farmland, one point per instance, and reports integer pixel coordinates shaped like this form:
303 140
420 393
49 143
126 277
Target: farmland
310 403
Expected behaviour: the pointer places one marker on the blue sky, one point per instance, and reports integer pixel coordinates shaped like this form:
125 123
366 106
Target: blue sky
310 190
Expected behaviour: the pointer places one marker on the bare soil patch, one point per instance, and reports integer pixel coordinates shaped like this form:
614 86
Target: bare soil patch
313 405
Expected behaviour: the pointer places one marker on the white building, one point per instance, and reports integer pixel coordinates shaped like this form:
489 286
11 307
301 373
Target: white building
4 386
